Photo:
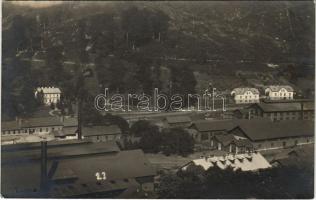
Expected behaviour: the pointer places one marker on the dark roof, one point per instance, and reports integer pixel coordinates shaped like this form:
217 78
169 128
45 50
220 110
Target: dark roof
101 130
73 121
178 119
287 106
266 130
225 139
26 176
213 125
41 122
9 125
57 150
31 122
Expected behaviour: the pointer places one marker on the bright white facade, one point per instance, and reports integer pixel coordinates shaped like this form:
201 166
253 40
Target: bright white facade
245 95
50 94
279 92
244 162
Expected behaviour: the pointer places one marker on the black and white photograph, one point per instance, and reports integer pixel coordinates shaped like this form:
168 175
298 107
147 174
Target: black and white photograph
158 99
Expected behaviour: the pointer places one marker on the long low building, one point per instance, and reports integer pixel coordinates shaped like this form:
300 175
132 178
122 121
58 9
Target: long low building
274 135
74 169
243 162
236 135
277 111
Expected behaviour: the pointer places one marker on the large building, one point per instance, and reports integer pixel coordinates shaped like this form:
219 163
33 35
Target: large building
277 92
239 136
231 143
204 130
243 162
102 133
277 111
245 95
48 95
74 169
177 121
265 134
40 126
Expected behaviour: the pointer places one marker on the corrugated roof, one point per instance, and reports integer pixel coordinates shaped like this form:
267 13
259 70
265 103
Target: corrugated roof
266 130
241 91
101 130
286 106
277 88
178 119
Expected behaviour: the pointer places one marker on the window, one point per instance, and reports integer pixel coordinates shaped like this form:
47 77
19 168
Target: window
46 129
259 146
295 142
40 129
272 144
284 144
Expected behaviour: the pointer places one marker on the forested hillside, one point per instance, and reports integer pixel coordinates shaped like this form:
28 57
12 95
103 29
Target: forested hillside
138 46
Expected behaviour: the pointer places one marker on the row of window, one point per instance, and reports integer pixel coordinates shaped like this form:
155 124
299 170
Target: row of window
282 94
284 144
248 101
30 130
246 97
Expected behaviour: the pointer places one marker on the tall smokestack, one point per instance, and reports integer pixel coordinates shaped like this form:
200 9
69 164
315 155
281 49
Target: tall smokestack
302 110
43 165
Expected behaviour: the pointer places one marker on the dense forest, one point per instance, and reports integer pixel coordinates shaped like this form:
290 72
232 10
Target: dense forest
138 46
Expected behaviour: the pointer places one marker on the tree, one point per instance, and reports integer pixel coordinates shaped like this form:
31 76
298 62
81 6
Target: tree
177 141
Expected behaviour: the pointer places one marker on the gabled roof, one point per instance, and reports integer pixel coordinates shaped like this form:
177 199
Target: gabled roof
277 88
227 139
242 91
267 130
178 119
244 162
101 130
286 106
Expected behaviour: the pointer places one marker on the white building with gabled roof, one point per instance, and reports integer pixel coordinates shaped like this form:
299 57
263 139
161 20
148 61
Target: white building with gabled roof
279 92
245 95
49 94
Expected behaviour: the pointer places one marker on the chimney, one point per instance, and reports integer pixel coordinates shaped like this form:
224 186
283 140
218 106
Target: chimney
43 165
302 110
